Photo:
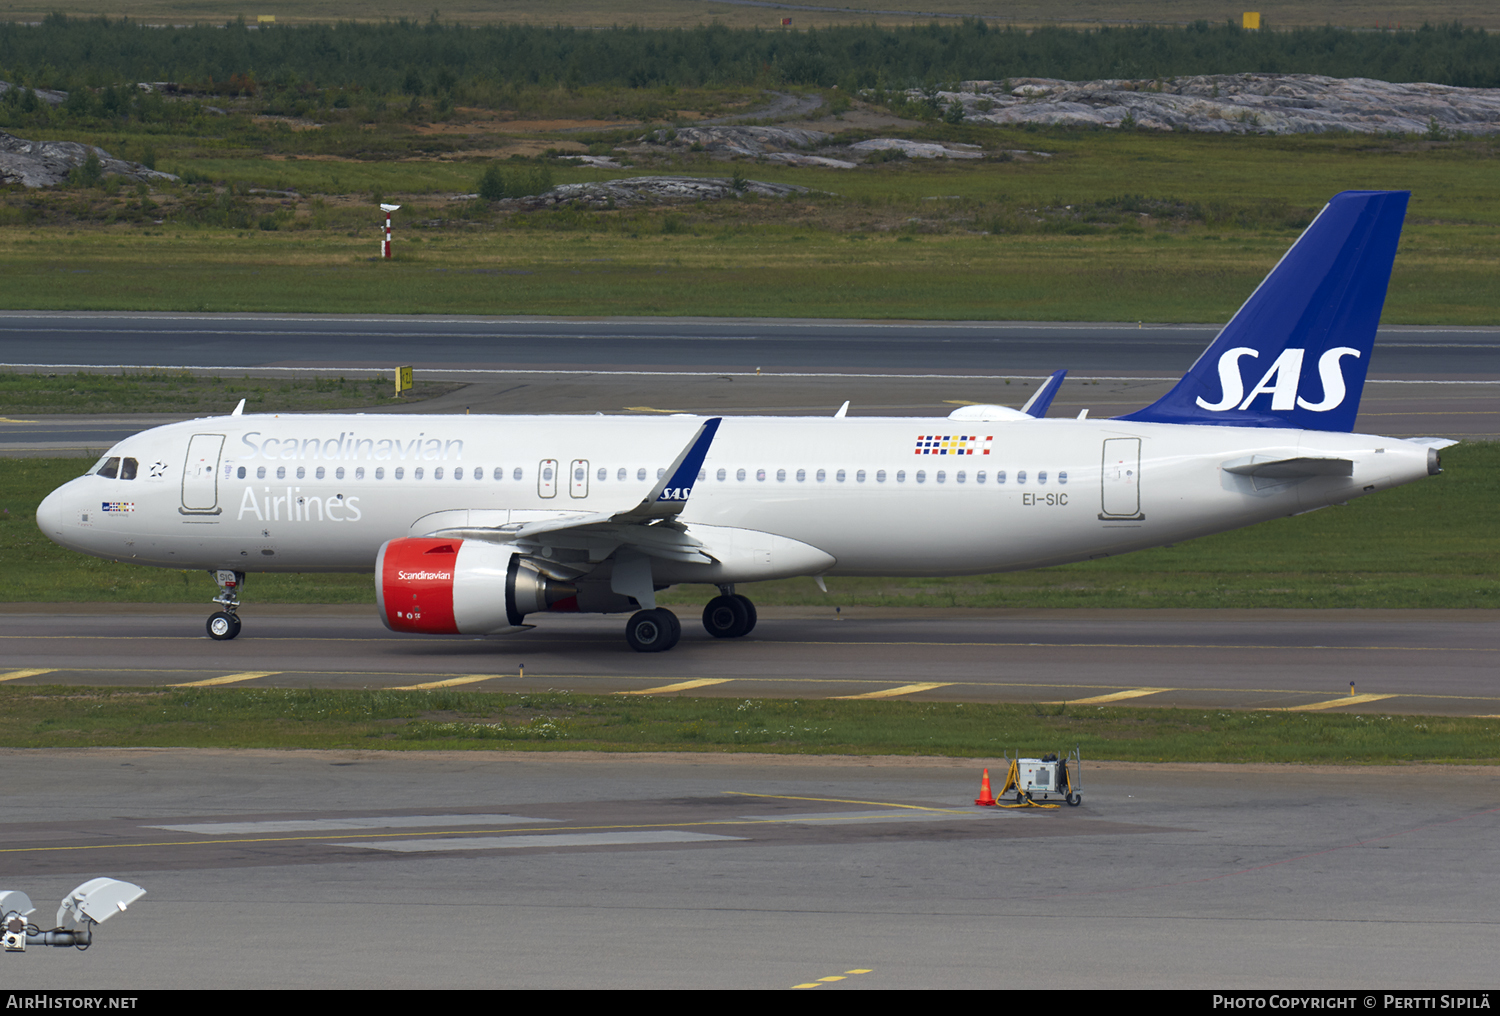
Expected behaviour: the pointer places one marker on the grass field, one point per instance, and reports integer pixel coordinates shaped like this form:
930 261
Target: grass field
1056 238
1435 543
55 717
152 392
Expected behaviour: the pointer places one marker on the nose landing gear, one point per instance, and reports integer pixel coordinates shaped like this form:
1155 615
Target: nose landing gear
224 625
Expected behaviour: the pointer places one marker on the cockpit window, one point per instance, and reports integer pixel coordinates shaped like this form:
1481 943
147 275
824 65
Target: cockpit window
128 468
111 467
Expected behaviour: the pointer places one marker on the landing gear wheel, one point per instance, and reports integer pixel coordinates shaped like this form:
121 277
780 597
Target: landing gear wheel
1075 799
750 610
223 626
653 631
725 617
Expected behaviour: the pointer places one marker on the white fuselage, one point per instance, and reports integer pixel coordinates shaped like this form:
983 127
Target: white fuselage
777 496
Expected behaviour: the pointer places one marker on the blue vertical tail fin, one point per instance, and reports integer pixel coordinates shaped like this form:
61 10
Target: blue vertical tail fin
1295 355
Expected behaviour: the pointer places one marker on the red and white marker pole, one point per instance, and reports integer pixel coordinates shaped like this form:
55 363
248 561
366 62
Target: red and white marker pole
385 244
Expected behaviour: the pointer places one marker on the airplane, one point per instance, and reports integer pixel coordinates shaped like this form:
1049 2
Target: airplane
471 524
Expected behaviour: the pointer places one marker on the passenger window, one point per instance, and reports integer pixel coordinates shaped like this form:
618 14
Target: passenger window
380 472
458 472
517 473
781 476
921 476
860 476
1062 477
760 474
1041 477
603 474
621 475
880 476
128 468
721 475
839 476
281 472
260 472
979 476
416 474
111 468
822 475
999 476
1020 476
240 473
640 474
437 474
739 474
900 476
801 475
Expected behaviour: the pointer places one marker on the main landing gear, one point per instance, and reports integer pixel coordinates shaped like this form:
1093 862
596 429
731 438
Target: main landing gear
224 625
727 616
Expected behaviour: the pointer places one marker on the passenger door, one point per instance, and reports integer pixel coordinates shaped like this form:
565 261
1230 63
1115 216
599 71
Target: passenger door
200 475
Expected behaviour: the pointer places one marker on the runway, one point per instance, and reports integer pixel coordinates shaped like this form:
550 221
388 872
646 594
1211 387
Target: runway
553 870
1426 661
738 344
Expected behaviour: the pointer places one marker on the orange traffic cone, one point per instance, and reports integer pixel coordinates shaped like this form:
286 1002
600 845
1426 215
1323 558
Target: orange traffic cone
986 798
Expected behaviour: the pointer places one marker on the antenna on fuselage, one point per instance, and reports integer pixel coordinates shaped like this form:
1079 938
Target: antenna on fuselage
239 410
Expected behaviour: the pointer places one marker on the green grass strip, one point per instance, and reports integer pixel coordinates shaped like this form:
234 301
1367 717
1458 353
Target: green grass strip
67 717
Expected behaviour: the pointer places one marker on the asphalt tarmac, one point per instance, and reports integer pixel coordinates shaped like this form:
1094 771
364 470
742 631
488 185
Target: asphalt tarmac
1391 661
558 870
244 340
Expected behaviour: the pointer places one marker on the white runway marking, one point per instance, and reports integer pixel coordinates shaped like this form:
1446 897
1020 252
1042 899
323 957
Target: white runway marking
543 840
300 825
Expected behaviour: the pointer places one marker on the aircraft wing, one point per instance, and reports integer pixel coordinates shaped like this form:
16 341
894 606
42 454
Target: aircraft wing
649 527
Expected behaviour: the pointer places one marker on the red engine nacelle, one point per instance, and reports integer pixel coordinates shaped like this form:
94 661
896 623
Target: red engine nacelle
460 587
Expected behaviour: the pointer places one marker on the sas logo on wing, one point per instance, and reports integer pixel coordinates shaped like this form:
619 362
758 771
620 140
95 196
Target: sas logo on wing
946 444
1280 381
676 494
117 506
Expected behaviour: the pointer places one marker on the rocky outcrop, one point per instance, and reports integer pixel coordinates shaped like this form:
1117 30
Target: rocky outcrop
918 149
46 95
1235 103
650 190
738 140
788 145
48 163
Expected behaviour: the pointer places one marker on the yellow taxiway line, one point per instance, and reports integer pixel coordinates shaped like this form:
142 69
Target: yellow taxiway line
1118 696
679 686
1347 700
248 675
905 689
16 675
451 682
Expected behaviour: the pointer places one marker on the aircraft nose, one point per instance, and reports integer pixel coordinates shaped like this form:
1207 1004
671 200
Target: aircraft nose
51 515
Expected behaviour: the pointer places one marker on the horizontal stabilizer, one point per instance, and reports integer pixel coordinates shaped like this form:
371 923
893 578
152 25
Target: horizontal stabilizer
1294 469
